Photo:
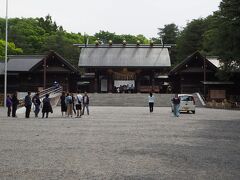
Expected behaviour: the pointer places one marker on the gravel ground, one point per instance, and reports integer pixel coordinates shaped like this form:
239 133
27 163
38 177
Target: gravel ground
122 143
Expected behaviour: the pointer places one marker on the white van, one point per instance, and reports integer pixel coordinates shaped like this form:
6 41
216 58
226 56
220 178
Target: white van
187 103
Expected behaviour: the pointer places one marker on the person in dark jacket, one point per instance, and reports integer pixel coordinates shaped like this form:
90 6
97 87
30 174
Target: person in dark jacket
15 103
73 102
9 105
46 106
176 104
28 104
63 103
36 101
85 103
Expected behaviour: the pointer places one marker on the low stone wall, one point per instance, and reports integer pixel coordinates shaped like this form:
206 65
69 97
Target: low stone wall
225 104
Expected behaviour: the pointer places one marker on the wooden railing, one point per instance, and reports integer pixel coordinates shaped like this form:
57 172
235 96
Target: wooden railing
52 90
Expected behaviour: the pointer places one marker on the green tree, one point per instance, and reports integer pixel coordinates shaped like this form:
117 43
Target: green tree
169 33
47 24
105 36
11 49
191 38
62 43
27 34
223 38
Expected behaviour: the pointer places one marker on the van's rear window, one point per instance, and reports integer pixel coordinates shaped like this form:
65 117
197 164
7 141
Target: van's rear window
186 98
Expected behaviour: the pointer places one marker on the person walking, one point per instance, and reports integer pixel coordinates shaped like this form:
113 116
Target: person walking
15 103
9 105
47 108
28 104
151 100
63 103
176 104
79 104
85 103
69 103
36 101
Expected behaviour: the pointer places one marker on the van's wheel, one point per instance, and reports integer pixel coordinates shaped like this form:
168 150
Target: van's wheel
193 112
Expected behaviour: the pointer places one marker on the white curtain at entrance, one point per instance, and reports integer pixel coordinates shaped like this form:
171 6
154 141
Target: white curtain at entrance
118 83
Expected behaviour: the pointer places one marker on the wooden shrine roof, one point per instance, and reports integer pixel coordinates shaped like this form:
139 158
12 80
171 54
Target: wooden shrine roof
124 57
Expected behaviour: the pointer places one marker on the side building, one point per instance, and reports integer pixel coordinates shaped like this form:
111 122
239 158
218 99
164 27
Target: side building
199 74
34 72
124 68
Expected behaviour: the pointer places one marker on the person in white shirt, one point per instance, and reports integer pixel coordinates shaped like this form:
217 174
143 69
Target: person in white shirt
78 104
151 100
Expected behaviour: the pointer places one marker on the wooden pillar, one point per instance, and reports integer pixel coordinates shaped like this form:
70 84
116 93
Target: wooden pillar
110 81
96 84
44 73
152 81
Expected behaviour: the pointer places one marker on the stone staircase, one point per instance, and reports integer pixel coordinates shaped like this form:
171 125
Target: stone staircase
135 100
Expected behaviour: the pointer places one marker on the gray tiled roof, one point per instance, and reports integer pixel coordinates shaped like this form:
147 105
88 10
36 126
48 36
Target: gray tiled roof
23 63
124 57
2 68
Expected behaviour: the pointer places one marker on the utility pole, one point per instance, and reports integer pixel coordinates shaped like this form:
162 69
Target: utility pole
6 51
204 76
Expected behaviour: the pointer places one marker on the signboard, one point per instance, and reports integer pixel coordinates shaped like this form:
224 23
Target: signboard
217 94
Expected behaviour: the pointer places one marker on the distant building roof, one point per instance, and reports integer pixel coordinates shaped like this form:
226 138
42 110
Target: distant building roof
196 55
124 57
215 61
23 63
2 68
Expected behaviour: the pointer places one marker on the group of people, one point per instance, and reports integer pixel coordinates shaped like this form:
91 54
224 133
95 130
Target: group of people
35 100
12 103
70 104
74 104
175 102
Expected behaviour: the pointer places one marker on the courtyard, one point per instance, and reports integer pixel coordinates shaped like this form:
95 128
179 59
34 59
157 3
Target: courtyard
122 143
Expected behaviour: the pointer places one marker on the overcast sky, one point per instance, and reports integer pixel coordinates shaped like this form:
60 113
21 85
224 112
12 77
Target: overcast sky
119 16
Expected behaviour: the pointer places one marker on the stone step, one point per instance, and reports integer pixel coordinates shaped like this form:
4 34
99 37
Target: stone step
138 100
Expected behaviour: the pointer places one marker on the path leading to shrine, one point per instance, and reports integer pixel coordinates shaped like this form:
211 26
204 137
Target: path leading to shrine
122 143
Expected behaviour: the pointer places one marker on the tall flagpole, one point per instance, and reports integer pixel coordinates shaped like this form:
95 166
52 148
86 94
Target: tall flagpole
6 51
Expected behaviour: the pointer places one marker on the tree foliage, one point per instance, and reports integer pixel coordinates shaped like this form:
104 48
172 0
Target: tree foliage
191 38
105 36
39 35
11 49
168 35
224 35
